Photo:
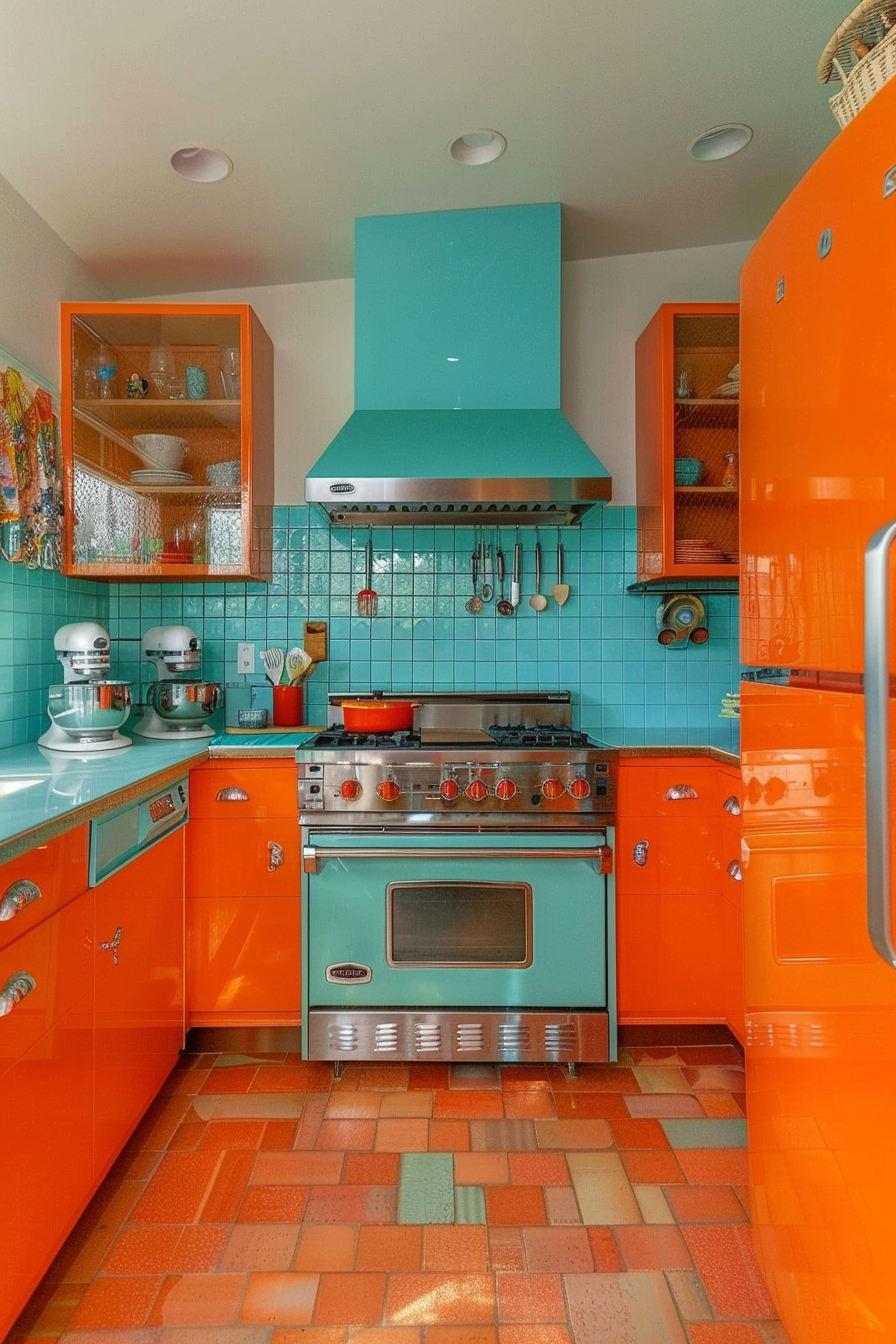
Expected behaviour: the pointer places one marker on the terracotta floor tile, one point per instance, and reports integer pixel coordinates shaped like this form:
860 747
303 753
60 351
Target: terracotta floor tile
228 1188
177 1190
515 1205
352 1204
392 1249
273 1204
640 1306
706 1078
371 1168
562 1206
230 1080
355 1105
530 1298
475 1077
705 1204
278 1134
537 1169
720 1105
313 1075
308 1334
455 1249
376 1077
449 1136
714 1166
349 1299
256 1246
187 1135
277 1078
503 1136
401 1136
424 1299
532 1105
638 1134
279 1299
227 1134
505 1248
385 1334
471 1105
558 1250
198 1299
342 1135
524 1078
565 1134
429 1076
655 1247
661 1078
646 1166
665 1106
159 1123
662 1055
297 1168
198 1249
331 1247
116 1303
723 1257
603 1189
310 1120
533 1334
392 1104
721 1056
593 1078
718 1332
653 1204
143 1250
592 1105
691 1300
605 1250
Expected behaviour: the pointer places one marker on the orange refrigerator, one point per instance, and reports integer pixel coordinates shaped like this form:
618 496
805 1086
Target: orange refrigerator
818 504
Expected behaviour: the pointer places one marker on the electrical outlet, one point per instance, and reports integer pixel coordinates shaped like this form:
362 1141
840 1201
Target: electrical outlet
245 658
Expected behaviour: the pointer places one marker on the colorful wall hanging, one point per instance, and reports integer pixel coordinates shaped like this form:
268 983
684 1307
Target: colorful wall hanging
31 506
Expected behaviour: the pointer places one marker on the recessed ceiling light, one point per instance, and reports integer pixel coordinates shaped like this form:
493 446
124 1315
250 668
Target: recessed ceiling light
720 142
474 148
202 165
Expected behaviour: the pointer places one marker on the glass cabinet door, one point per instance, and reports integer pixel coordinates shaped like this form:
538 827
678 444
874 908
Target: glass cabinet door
159 437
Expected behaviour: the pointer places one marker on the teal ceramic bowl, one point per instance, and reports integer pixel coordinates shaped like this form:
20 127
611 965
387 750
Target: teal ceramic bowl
688 470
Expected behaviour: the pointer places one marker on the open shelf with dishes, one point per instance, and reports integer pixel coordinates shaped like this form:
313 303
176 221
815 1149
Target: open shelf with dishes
167 439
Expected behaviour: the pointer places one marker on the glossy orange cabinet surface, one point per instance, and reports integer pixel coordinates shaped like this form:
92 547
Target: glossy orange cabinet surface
167 441
35 885
227 791
243 858
243 960
139 977
685 413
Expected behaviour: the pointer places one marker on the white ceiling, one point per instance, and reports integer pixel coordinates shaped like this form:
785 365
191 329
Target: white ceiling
331 109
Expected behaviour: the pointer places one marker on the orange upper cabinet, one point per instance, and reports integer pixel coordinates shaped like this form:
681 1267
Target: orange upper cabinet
686 429
167 441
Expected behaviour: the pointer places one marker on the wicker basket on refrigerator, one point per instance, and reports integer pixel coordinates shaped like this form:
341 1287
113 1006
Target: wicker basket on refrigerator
861 53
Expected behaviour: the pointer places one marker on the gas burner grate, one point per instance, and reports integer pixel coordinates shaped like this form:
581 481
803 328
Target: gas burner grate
337 736
538 735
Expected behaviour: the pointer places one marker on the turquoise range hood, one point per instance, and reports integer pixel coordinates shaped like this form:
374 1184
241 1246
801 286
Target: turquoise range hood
457 376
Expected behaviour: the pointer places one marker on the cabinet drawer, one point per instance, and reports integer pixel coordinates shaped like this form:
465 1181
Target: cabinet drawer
243 858
681 787
243 956
44 974
271 790
37 884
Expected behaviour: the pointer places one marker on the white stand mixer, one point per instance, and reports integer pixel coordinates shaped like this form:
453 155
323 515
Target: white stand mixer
87 709
177 703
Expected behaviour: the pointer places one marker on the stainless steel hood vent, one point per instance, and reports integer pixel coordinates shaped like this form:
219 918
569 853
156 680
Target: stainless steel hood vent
457 378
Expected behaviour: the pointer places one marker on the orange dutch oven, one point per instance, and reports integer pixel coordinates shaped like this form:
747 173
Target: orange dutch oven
378 716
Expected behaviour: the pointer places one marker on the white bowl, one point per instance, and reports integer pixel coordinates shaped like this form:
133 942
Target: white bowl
223 473
161 450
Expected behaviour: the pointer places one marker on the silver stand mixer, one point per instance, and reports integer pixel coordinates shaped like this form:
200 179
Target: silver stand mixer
177 702
88 709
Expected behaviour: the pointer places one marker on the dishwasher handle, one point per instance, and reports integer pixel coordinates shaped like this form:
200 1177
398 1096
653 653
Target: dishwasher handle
312 856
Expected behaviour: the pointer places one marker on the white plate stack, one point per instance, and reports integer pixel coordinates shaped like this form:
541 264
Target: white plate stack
160 477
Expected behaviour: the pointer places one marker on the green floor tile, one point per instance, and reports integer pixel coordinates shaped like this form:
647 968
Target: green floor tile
706 1133
426 1188
469 1204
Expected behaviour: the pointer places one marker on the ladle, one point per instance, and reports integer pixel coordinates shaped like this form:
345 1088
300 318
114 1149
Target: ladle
502 606
538 601
474 603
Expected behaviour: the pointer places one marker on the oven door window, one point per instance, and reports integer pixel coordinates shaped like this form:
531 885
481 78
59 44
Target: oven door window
459 924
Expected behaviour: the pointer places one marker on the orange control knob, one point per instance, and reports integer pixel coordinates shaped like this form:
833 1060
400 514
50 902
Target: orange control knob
505 789
553 788
350 790
476 790
388 790
449 789
579 787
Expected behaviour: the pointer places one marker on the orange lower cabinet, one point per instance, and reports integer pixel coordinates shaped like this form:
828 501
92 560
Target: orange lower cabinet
243 960
667 854
733 964
139 980
669 957
242 857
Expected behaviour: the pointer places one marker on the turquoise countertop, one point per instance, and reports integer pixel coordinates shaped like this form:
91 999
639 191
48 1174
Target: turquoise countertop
43 793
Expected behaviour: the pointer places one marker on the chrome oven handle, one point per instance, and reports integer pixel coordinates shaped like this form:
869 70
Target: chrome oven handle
877 750
312 856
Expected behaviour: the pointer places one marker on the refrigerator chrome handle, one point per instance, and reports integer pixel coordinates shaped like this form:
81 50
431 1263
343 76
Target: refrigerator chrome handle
877 747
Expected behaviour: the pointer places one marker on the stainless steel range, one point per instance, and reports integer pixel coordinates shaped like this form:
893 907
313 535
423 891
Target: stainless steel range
457 885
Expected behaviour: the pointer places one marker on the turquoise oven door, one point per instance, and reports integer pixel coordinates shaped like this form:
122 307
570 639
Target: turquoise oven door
430 921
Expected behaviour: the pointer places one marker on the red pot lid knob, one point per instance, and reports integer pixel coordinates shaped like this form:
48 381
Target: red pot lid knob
388 790
449 789
350 790
505 789
476 790
553 788
579 787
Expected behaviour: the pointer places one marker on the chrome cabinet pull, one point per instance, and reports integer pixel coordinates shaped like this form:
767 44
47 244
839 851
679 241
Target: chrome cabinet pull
734 870
732 805
14 991
639 853
113 945
275 856
311 856
233 794
877 747
679 791
17 896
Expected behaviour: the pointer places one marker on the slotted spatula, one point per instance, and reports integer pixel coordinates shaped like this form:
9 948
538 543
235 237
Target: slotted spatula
367 598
